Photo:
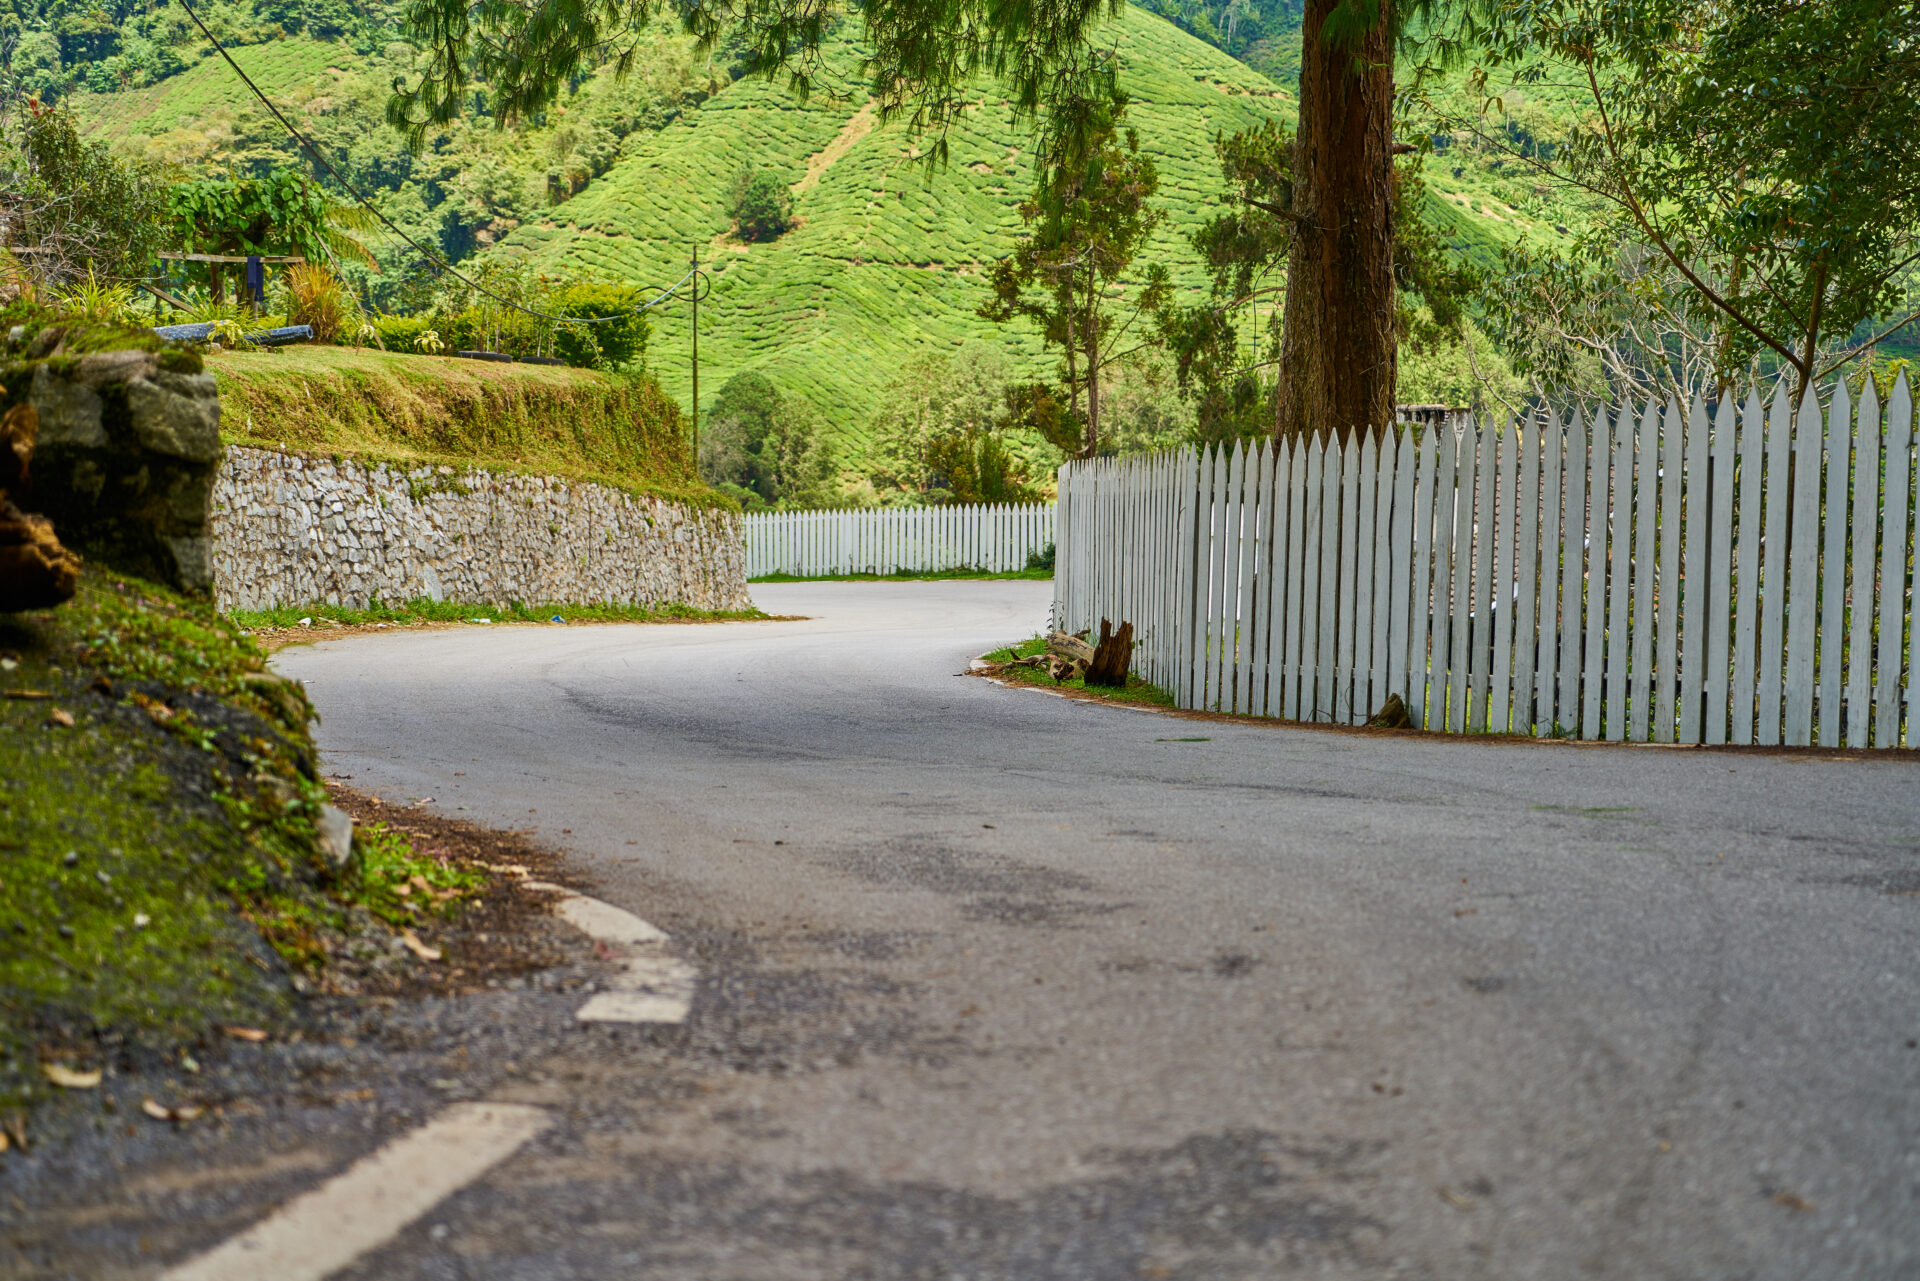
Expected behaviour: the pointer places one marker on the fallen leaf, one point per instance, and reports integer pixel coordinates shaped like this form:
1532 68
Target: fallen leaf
16 1128
245 1033
419 882
68 1078
182 1114
1454 1199
60 717
419 949
1799 1205
4 1144
404 891
507 869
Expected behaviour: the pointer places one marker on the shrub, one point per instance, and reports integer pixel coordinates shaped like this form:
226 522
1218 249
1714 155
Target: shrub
622 337
401 333
762 205
317 297
96 301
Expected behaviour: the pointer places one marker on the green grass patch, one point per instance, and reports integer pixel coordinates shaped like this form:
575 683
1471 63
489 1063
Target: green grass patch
159 870
432 611
137 842
910 575
1140 692
402 886
411 410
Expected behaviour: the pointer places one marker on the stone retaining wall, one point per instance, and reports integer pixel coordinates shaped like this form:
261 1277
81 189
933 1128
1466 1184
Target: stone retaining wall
295 530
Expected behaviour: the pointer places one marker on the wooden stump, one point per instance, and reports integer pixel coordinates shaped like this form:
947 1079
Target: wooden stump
1112 657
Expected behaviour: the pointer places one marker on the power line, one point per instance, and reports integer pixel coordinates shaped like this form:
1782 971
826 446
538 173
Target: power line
435 260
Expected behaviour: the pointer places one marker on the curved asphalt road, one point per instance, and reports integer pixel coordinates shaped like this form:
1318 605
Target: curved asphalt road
1002 985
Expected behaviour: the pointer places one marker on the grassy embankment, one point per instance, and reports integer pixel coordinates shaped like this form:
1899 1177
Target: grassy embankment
415 410
1137 691
160 875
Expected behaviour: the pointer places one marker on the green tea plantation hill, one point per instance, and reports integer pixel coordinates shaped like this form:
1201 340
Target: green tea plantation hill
888 258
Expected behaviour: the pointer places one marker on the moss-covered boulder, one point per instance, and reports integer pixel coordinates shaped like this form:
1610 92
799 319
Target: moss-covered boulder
128 447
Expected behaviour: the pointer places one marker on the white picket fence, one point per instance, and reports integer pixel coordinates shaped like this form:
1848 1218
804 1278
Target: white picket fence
997 537
1731 573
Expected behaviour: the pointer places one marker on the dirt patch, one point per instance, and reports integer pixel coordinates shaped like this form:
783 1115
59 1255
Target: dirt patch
504 932
822 160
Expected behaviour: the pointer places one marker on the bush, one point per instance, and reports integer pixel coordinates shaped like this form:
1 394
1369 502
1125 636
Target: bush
317 297
620 340
762 205
401 333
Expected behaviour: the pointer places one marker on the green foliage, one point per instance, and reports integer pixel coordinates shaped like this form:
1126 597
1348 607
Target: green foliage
937 436
403 887
621 337
97 302
82 210
1245 250
400 333
386 406
179 799
284 212
1089 216
1763 154
765 449
762 205
317 298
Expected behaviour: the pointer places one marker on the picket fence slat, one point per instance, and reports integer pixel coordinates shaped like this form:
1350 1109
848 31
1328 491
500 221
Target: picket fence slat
1866 515
1525 625
1460 585
1833 571
1546 670
1893 571
1665 603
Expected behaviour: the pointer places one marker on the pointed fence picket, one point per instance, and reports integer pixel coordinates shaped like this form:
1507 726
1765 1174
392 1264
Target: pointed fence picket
1706 572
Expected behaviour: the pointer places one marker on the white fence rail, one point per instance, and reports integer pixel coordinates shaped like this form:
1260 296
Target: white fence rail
997 537
1731 573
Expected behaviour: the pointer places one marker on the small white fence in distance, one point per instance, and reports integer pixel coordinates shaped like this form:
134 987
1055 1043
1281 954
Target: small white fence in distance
993 537
1715 573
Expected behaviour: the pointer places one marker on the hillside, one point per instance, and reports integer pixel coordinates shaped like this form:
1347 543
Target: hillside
625 180
889 258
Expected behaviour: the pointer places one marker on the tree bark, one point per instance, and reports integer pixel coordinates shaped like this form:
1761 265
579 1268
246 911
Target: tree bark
1338 350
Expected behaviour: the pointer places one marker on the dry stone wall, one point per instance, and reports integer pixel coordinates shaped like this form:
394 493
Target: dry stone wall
289 529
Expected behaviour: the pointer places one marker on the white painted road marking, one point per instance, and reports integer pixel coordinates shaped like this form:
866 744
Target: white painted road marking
322 1231
654 986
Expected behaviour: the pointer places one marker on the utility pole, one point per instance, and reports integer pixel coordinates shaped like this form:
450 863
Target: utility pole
696 359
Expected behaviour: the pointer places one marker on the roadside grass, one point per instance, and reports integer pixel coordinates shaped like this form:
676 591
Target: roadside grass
1138 692
911 576
422 610
410 411
401 885
160 874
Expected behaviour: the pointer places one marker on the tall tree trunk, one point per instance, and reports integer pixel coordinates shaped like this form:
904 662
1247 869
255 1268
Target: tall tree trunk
1338 350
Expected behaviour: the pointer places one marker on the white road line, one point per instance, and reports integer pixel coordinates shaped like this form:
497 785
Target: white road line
654 986
322 1231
